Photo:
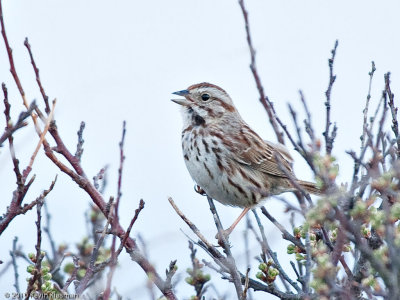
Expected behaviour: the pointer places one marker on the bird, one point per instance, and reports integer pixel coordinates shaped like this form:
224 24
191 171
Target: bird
228 160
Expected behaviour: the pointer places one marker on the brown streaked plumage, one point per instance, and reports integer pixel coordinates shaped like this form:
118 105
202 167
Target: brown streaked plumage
225 157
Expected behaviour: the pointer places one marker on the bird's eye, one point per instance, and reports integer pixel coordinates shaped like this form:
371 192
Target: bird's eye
205 97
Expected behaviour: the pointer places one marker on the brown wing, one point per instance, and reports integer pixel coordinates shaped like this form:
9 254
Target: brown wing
258 154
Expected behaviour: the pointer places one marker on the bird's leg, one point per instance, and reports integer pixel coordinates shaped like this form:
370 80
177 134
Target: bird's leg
228 231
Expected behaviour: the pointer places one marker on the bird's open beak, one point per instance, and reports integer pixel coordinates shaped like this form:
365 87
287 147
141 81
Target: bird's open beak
182 101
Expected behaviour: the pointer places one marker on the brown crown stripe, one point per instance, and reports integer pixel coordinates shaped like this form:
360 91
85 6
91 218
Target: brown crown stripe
205 84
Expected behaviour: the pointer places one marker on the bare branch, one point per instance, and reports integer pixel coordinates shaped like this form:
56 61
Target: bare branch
79 147
14 263
28 169
37 274
285 234
263 99
35 68
330 136
393 110
73 274
365 111
231 264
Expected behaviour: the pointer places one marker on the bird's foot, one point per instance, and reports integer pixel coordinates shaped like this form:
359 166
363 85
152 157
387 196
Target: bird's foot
224 237
199 190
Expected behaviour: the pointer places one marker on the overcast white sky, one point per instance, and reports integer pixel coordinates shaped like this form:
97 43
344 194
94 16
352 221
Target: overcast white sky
107 62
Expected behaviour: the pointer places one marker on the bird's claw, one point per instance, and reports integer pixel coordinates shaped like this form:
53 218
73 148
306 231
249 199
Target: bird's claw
199 190
225 234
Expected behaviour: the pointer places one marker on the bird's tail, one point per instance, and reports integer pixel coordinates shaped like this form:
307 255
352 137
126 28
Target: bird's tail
310 187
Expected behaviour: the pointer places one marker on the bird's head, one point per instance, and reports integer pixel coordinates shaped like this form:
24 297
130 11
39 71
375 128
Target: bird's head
205 103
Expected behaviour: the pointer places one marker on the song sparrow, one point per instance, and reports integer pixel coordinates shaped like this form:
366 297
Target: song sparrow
225 157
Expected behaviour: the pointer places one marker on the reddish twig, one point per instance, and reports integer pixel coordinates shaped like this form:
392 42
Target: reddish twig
128 231
10 57
36 279
233 271
115 254
15 208
41 139
7 109
263 98
77 174
36 69
10 129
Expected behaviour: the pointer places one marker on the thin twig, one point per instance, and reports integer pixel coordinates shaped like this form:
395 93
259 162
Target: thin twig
128 230
393 110
231 264
285 234
253 67
91 270
10 129
170 272
330 136
365 110
246 285
39 82
41 139
79 147
10 57
14 71
195 230
307 122
37 274
76 172
149 283
285 277
115 221
14 263
75 260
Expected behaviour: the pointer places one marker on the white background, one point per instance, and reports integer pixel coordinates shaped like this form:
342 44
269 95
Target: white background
106 62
